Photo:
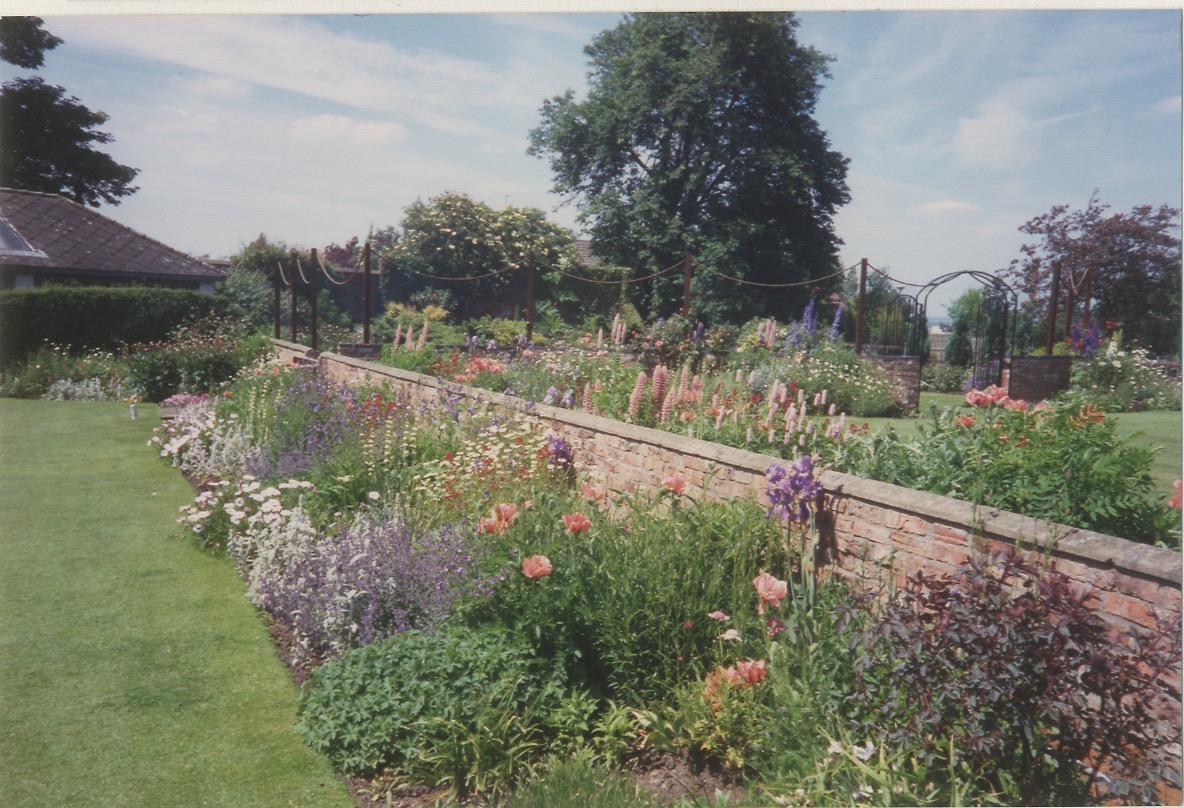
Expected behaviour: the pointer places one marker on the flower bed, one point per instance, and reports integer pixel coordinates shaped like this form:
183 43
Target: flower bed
482 604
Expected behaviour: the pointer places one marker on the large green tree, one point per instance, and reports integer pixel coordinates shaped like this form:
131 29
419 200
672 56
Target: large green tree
478 255
1118 267
697 136
47 138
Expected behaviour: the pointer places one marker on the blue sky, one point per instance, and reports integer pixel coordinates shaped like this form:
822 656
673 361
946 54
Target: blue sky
959 125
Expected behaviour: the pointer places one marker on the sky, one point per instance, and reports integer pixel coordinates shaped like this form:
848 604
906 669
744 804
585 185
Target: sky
959 126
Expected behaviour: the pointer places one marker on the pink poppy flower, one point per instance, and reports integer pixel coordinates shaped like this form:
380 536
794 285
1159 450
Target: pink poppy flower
675 482
775 626
1177 501
966 420
536 566
770 590
505 512
491 525
576 522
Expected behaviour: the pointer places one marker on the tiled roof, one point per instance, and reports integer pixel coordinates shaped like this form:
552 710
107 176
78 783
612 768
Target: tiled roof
64 235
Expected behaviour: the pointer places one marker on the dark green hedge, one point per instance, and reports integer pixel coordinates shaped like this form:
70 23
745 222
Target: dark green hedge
96 317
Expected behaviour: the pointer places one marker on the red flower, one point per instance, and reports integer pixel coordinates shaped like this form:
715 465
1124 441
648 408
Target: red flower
536 566
1177 501
976 398
576 522
966 420
752 671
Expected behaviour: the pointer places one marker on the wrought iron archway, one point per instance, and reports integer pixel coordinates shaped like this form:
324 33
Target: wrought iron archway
990 331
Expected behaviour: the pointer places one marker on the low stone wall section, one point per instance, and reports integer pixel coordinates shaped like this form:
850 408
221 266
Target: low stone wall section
872 534
1036 378
905 371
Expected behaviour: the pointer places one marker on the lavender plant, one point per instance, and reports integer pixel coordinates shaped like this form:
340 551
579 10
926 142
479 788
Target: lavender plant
376 579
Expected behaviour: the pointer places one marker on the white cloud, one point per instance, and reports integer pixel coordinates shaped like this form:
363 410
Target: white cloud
302 56
338 128
944 207
173 121
220 88
997 138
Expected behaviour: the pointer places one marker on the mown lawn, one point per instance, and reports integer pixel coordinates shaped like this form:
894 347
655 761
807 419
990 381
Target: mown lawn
1163 430
133 671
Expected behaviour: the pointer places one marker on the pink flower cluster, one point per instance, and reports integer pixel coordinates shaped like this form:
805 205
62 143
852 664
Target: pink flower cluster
475 365
636 396
995 395
743 674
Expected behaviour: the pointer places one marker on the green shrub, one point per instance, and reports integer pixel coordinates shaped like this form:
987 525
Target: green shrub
1066 464
463 707
939 377
87 318
197 359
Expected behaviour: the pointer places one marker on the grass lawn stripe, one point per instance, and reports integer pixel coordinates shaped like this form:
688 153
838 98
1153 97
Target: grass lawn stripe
133 671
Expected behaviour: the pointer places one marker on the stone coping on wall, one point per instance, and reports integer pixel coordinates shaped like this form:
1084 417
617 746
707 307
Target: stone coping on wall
1097 549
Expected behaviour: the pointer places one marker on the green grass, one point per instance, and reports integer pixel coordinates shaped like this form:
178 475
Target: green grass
1163 429
133 671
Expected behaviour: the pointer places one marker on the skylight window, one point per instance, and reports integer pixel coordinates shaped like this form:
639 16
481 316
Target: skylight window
12 244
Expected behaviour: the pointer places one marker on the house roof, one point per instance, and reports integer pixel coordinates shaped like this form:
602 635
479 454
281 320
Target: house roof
51 232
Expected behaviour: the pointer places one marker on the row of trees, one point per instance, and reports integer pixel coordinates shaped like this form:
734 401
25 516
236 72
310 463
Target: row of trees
697 137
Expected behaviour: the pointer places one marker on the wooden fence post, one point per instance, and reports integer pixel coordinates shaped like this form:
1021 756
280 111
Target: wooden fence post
859 308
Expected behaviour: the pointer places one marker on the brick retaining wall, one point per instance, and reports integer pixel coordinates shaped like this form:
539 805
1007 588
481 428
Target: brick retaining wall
871 530
872 534
1036 378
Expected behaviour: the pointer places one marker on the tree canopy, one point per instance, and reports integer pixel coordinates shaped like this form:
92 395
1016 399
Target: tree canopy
697 137
23 42
48 137
478 254
1120 268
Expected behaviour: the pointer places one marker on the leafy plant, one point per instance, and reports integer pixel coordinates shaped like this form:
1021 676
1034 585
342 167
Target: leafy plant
579 781
421 703
1012 663
1123 380
1065 463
